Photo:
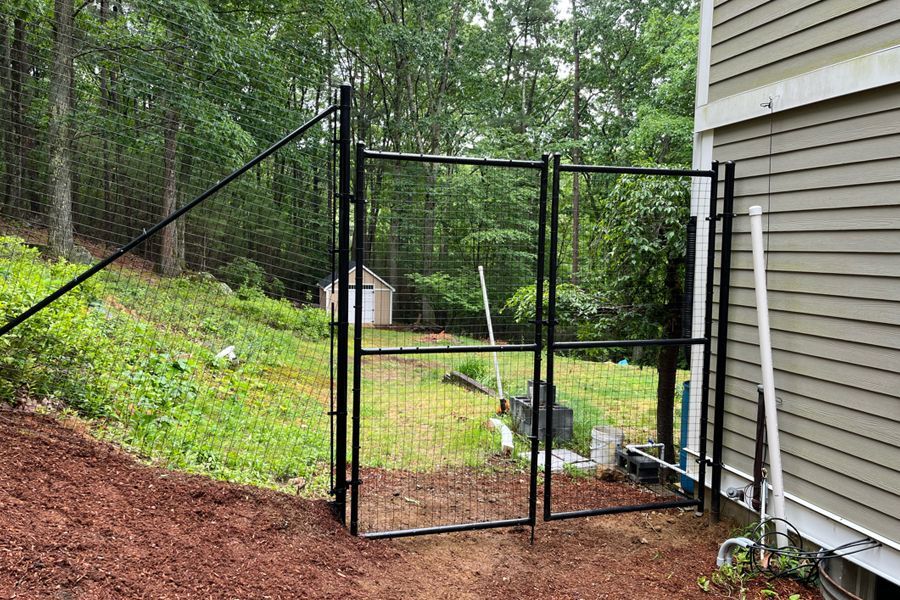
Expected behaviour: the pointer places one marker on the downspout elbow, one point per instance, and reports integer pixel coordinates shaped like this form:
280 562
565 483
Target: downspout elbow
728 546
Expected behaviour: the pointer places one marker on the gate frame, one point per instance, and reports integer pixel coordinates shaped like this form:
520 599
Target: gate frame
705 341
536 347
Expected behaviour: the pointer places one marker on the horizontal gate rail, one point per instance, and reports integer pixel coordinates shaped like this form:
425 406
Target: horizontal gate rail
614 510
455 160
628 343
447 349
447 528
636 170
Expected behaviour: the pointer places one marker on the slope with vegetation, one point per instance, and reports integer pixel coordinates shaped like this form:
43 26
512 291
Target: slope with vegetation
139 358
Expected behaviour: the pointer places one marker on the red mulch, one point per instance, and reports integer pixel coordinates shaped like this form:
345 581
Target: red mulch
81 519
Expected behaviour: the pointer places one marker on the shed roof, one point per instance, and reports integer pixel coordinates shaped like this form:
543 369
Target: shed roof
329 279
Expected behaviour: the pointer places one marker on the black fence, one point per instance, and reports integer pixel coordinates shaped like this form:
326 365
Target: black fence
168 215
197 344
508 356
482 357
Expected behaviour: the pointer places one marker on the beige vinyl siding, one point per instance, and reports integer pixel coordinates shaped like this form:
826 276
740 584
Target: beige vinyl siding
756 43
831 194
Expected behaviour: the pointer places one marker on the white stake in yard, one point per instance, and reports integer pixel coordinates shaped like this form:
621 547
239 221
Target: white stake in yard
487 312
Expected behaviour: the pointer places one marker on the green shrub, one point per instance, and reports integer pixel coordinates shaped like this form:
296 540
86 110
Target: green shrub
243 273
152 385
56 352
474 368
309 322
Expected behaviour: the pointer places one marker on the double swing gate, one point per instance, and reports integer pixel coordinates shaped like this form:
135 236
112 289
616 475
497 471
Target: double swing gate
478 330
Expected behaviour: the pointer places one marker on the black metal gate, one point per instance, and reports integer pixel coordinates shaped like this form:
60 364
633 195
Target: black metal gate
421 456
601 420
614 383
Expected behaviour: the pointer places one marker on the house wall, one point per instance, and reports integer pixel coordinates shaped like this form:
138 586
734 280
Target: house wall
830 190
755 43
383 298
822 157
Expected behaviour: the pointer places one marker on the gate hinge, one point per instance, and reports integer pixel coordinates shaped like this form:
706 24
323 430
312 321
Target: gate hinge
354 481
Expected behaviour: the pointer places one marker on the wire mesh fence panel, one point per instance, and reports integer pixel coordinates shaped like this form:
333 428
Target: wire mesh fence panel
206 347
626 343
435 450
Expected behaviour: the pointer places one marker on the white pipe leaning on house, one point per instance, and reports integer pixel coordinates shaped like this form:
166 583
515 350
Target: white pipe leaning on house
768 374
487 313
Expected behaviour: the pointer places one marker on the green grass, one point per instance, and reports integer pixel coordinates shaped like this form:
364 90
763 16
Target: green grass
135 355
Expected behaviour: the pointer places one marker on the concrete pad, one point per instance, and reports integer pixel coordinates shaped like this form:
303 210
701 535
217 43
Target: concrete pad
561 457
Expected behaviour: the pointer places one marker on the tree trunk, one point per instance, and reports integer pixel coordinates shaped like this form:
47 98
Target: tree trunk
14 74
394 250
184 196
169 264
59 224
106 212
5 121
427 315
576 149
666 365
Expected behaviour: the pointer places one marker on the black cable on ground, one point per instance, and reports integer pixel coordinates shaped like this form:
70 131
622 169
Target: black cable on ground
789 559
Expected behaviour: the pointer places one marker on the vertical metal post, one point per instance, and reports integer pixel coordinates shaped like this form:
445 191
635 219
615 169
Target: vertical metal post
551 336
722 341
359 247
538 339
340 446
707 332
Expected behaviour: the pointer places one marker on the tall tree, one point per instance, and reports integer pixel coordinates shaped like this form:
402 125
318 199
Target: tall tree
14 73
576 140
60 232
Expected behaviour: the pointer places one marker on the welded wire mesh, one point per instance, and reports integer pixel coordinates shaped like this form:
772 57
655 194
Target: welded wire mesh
429 229
430 454
207 347
621 407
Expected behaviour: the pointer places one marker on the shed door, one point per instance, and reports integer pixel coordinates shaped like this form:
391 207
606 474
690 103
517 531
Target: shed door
368 303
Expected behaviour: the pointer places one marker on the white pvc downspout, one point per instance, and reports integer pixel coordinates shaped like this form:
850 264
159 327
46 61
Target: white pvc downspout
487 313
768 375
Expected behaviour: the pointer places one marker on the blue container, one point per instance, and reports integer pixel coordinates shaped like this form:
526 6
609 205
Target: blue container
687 484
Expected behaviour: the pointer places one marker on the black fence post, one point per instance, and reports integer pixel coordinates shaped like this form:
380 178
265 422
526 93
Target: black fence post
551 333
359 249
340 490
722 341
538 339
707 334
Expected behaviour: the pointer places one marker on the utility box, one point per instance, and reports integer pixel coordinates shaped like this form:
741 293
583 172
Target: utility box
522 414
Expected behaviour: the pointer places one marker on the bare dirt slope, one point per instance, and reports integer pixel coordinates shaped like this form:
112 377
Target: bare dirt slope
81 519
